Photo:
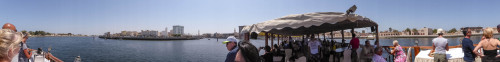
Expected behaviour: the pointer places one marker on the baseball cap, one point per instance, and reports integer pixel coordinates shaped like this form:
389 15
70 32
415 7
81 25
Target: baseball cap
230 39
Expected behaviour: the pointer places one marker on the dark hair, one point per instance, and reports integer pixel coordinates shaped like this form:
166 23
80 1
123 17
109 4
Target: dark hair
249 52
267 48
498 26
465 32
377 49
353 35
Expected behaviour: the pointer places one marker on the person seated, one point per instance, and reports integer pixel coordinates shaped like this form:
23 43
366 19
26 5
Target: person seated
367 52
378 55
268 56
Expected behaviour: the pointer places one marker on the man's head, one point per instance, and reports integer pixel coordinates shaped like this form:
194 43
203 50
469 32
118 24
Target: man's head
353 33
313 38
9 26
440 32
378 51
267 48
367 42
25 37
498 28
230 42
467 32
9 40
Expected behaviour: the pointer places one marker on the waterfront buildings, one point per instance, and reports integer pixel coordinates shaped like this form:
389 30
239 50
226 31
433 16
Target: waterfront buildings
474 30
149 33
425 31
129 33
165 33
107 34
178 29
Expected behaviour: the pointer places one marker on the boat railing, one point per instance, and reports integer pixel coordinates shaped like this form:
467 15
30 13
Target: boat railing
415 50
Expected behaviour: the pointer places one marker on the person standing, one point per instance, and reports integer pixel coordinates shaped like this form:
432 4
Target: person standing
355 45
25 52
314 46
398 52
231 45
467 46
489 45
440 46
10 45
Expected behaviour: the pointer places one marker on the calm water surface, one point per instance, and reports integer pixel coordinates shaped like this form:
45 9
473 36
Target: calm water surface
203 50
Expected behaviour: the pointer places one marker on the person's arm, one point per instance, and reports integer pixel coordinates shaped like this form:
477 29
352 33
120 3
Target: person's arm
393 51
470 45
28 53
447 48
477 48
498 44
432 51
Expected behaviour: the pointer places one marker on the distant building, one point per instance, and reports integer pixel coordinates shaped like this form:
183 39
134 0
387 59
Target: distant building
425 31
474 30
149 33
240 28
107 34
129 33
208 35
165 33
239 31
177 29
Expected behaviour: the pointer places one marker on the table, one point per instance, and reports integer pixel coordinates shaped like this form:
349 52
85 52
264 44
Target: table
453 55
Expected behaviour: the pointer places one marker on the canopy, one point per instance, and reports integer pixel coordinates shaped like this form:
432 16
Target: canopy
311 23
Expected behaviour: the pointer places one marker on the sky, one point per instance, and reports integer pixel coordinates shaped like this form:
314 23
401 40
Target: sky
95 17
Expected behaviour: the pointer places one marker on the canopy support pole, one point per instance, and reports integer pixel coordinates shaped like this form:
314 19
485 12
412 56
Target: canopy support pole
272 40
267 38
343 40
376 35
324 36
247 37
279 39
331 34
318 37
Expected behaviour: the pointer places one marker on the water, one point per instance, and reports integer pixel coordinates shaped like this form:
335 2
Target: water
203 50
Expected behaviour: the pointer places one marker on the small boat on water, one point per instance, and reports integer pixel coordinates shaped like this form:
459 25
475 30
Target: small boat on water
78 59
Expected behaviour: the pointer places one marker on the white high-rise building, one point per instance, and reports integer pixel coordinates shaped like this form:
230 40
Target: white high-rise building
165 33
178 29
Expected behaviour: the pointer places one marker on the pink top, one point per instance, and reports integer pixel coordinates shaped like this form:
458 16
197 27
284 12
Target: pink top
400 55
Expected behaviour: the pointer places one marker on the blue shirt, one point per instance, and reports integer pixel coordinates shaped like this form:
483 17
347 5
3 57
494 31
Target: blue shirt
232 54
22 56
467 47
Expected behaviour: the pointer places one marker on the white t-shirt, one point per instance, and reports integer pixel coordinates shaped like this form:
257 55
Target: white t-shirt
440 44
313 45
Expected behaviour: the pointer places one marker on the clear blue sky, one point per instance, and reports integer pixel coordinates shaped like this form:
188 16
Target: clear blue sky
209 16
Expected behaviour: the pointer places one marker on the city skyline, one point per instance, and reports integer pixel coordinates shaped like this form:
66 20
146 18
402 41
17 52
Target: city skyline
94 17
